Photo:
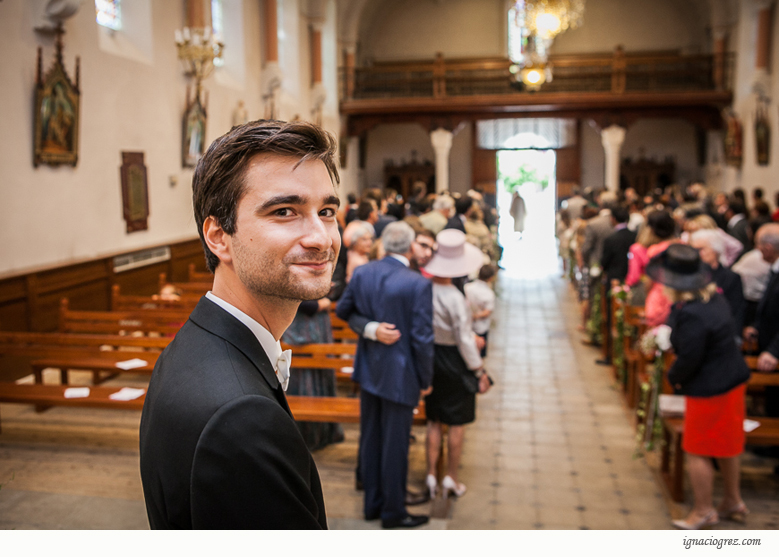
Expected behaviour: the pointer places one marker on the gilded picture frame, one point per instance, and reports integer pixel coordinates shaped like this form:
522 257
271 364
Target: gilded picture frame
56 113
135 191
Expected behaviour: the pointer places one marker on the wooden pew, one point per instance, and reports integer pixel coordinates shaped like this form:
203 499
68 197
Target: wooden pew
304 409
635 361
122 302
194 275
341 330
672 463
163 321
188 288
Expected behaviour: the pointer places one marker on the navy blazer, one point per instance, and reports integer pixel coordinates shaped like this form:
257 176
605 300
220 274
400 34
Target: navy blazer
708 360
219 446
387 291
614 258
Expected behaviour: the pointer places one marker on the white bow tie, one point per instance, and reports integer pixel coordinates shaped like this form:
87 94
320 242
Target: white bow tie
283 364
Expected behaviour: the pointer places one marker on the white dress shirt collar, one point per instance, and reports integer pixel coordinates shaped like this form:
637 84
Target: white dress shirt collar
735 219
775 266
401 258
270 345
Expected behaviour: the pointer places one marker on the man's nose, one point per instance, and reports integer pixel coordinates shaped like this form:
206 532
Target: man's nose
317 235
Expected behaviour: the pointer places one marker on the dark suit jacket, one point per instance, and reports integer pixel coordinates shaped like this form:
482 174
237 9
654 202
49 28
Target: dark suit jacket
387 291
708 360
455 222
767 317
733 290
614 259
219 447
740 231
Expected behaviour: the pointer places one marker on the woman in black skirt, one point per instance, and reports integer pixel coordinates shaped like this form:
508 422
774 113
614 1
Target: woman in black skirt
458 373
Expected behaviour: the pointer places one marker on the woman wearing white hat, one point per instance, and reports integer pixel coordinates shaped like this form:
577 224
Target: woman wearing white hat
458 372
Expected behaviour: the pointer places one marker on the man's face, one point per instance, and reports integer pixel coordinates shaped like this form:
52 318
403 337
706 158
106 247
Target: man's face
286 240
708 255
767 250
422 249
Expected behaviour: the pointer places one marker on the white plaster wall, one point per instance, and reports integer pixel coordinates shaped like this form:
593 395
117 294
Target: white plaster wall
593 159
460 160
417 29
659 139
54 216
637 25
395 141
743 40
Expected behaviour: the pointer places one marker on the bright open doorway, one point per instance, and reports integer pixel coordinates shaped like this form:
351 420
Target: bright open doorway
531 173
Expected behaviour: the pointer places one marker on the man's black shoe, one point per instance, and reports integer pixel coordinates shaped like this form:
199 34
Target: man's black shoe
416 498
408 521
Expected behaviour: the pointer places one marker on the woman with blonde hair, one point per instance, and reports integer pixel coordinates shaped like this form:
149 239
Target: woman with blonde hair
710 371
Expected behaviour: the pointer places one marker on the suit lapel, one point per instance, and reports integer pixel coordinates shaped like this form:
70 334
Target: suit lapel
217 321
769 288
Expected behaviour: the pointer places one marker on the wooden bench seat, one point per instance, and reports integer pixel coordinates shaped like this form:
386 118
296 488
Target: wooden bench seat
97 363
162 321
304 408
672 466
122 302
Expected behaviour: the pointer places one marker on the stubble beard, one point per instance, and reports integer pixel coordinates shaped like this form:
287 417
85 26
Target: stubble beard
262 277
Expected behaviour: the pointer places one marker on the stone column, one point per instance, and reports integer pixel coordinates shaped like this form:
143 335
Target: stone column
762 82
442 144
196 14
612 139
271 32
271 72
349 68
720 51
315 33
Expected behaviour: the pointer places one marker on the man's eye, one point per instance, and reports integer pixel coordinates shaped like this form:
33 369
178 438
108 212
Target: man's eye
327 212
283 212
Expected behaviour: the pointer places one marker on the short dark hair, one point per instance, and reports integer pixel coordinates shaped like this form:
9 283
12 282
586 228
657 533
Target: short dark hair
487 272
351 198
364 209
462 205
219 181
620 214
737 206
426 233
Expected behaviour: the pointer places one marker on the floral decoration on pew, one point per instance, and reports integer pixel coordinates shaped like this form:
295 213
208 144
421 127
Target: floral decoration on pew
655 343
619 294
595 322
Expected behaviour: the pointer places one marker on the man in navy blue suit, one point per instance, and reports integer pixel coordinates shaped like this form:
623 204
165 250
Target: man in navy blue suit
392 377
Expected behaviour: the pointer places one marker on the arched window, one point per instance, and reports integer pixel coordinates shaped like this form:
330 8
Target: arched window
217 26
109 13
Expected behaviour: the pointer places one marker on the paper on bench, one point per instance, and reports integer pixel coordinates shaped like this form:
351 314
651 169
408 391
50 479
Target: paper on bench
750 425
127 393
672 405
131 364
347 370
77 392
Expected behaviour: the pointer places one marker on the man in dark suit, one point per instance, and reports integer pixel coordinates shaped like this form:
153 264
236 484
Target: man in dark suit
614 261
392 377
461 207
614 258
766 325
218 445
738 224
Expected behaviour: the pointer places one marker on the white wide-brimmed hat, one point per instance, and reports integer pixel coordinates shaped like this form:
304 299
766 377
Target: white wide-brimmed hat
455 257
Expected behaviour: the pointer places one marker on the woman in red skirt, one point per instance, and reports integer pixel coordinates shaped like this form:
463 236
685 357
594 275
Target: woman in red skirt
711 372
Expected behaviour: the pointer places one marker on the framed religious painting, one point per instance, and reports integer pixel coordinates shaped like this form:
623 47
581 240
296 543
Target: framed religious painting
135 192
194 134
57 107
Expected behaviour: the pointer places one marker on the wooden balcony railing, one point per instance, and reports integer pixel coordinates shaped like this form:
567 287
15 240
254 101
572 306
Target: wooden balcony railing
617 73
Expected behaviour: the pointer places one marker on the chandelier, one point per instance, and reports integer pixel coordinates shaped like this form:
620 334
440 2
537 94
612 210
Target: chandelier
540 22
197 49
549 18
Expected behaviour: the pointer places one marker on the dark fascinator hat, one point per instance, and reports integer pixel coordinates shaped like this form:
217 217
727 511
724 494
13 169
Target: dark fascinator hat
679 267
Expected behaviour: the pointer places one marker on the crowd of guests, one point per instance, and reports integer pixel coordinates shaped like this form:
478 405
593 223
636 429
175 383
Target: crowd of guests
414 281
706 266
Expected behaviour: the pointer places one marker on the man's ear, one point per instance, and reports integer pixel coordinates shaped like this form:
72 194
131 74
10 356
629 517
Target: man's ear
218 241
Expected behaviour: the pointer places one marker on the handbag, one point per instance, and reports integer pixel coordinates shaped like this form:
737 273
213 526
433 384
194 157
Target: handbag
471 382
